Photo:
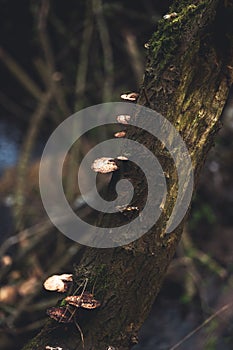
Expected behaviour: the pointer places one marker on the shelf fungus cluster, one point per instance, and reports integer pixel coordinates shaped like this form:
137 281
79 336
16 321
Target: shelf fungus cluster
67 311
124 118
107 165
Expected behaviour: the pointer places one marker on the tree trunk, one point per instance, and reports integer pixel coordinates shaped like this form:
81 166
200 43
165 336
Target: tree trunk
187 79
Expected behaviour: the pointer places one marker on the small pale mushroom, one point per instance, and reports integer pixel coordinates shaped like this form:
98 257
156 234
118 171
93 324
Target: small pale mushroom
132 96
120 134
104 165
58 283
122 158
169 16
123 119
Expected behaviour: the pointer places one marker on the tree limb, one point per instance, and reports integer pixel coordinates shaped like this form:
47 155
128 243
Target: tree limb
186 80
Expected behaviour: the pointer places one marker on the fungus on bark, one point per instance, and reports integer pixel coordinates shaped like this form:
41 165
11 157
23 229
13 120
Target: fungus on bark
132 96
104 165
58 283
123 119
120 134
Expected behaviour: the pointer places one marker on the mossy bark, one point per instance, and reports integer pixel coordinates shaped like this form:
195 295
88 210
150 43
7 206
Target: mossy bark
187 79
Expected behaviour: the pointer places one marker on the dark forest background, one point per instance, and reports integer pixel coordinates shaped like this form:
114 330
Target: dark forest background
57 57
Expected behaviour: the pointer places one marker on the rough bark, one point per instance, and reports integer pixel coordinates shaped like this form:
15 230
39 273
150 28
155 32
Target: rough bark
187 79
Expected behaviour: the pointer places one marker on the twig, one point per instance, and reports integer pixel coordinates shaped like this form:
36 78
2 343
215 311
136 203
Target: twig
49 58
12 107
42 70
81 77
42 24
205 259
29 142
29 327
21 75
39 231
107 49
80 89
24 235
134 55
42 305
208 320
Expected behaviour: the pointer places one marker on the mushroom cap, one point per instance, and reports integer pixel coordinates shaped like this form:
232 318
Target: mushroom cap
120 134
60 314
122 158
58 283
123 119
131 96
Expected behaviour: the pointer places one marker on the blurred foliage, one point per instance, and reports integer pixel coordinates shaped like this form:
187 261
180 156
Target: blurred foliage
201 212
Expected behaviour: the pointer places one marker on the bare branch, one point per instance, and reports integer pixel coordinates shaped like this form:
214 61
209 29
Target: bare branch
20 74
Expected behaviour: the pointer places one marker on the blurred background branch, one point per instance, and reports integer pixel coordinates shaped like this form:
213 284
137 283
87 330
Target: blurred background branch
55 59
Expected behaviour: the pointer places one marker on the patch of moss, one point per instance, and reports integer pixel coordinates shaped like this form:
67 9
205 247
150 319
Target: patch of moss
165 42
97 277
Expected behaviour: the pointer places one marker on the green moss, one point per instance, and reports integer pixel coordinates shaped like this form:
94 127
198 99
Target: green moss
97 278
31 345
166 41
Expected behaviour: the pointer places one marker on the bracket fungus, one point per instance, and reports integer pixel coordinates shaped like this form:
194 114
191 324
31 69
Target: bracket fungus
104 165
85 301
123 119
122 158
120 134
60 314
58 283
107 165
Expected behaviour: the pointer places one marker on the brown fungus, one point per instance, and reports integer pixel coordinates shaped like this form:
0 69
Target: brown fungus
60 314
85 301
